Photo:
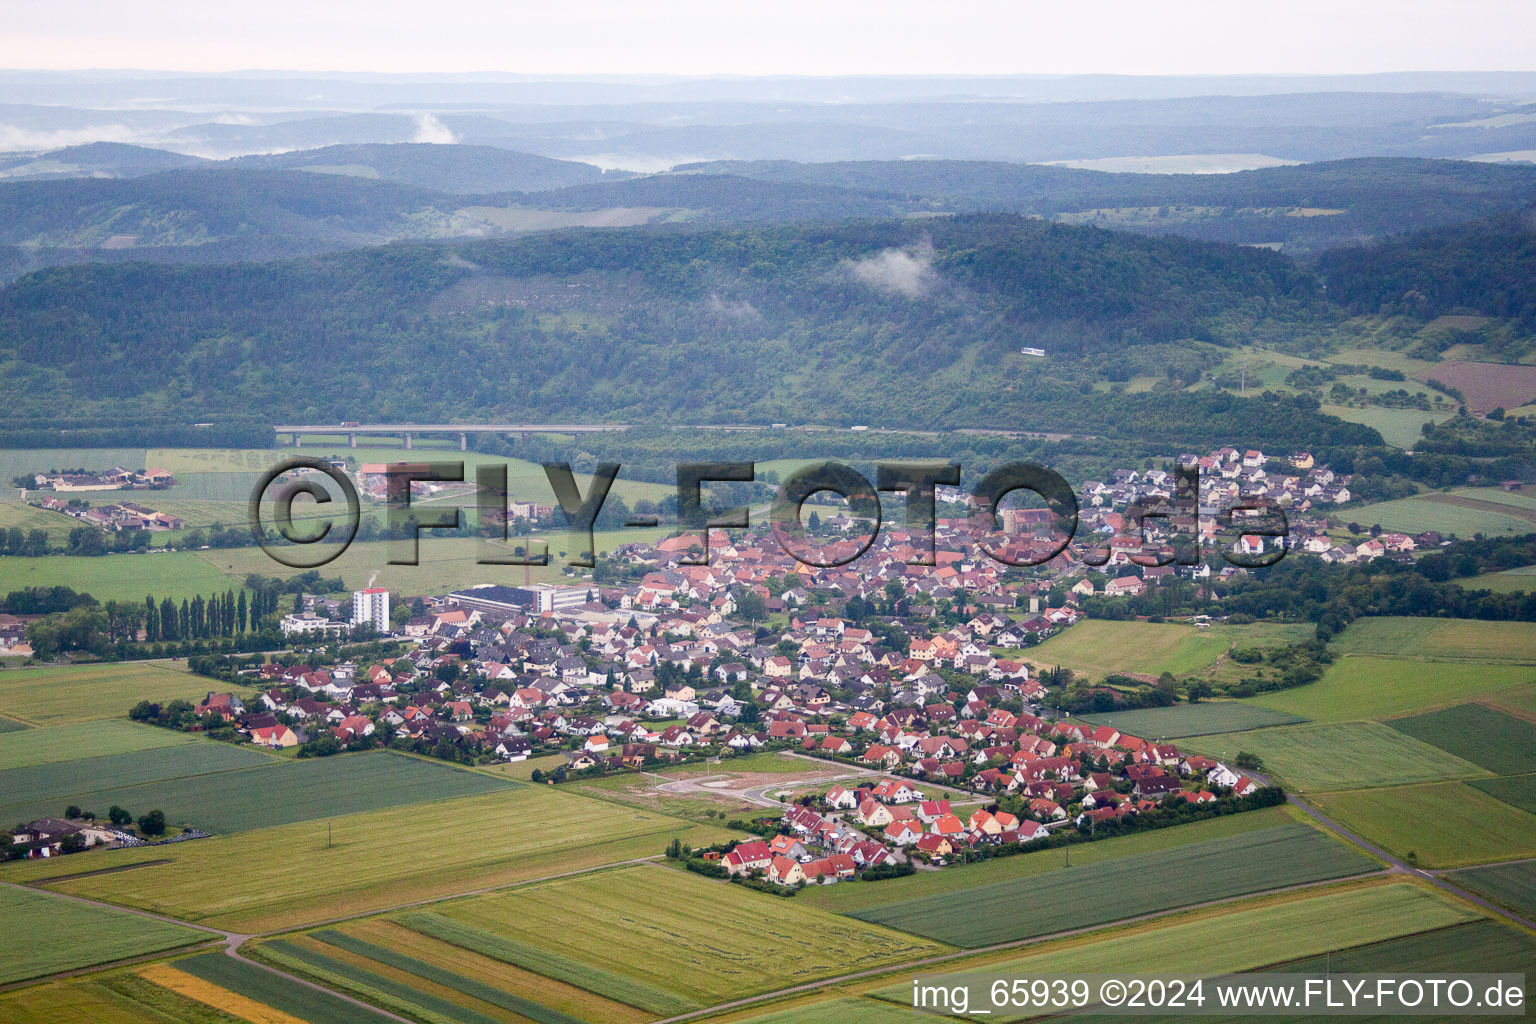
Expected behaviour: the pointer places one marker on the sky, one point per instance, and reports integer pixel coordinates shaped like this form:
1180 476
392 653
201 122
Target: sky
797 37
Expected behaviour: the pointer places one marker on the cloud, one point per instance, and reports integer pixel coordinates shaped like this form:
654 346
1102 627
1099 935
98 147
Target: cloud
430 129
14 138
735 310
899 271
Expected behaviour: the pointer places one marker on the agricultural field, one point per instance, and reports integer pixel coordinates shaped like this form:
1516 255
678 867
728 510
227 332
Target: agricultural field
1244 937
1101 647
1444 825
248 881
256 990
11 725
45 933
1487 386
1184 720
1341 755
1503 744
221 788
1000 870
701 939
1401 428
174 574
16 461
96 783
26 747
121 997
1442 513
1365 687
1515 790
1508 885
1091 894
1512 581
84 693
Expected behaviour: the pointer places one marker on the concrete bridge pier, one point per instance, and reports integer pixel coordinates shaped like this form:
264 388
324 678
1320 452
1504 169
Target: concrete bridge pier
407 442
298 440
463 441
351 440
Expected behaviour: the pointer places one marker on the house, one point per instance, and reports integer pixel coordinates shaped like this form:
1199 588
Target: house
277 737
785 871
748 857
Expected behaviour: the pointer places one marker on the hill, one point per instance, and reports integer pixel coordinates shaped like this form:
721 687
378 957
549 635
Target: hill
904 324
1486 268
442 168
93 160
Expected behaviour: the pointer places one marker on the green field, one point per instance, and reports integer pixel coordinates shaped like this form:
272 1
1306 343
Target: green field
1515 790
1091 894
122 997
701 939
1446 824
1503 744
96 739
1426 639
1508 885
1421 513
275 991
1100 647
1222 716
1238 939
293 875
173 574
45 933
11 725
85 693
1001 870
1472 948
1400 427
1515 581
96 783
773 763
228 789
588 991
1341 755
1367 687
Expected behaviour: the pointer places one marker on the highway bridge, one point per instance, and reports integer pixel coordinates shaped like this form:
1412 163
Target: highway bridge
407 431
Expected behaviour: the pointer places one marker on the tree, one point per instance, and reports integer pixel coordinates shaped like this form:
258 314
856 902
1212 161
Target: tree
1249 762
118 816
72 811
153 823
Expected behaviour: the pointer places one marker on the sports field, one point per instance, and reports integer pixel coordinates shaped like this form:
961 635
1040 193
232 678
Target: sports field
1183 720
84 693
95 739
1503 744
1368 687
701 939
45 933
1445 825
221 788
1341 755
293 875
1092 894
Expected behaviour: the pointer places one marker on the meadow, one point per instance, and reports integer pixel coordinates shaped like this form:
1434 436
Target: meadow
1341 755
701 939
1091 894
45 933
1444 825
1422 512
1100 647
1367 687
84 693
1400 427
27 747
221 788
1428 639
301 874
1515 581
174 574
1503 744
1184 720
1508 885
